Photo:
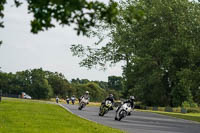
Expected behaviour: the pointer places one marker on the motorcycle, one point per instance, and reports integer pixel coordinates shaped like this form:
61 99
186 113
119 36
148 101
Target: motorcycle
67 100
73 100
83 103
104 108
123 111
57 100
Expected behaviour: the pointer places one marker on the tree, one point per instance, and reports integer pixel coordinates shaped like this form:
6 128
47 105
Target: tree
40 88
24 80
115 82
5 80
59 84
83 13
161 50
102 84
96 93
79 81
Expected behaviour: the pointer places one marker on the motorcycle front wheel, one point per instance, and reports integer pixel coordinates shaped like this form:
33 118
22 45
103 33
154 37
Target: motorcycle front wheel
101 111
122 114
80 107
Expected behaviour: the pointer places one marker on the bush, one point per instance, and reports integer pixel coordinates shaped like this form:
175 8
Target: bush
155 108
143 107
161 108
193 110
177 109
194 105
149 108
185 104
183 110
168 109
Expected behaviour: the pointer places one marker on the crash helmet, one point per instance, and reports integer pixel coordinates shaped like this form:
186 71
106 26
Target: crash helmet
111 95
86 92
132 98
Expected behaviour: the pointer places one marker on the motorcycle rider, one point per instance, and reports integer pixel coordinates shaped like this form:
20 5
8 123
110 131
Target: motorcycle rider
73 99
109 98
67 99
86 96
57 99
131 101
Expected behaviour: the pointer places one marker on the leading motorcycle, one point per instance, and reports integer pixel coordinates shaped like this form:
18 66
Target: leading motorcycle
123 111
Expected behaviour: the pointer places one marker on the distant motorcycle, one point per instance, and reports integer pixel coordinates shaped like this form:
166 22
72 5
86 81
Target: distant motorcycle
83 103
104 108
67 100
73 100
57 99
123 111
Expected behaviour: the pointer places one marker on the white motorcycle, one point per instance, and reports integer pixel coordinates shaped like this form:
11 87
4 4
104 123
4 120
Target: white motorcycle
123 111
83 103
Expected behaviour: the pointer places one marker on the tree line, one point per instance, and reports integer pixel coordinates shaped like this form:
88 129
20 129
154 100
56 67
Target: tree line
41 84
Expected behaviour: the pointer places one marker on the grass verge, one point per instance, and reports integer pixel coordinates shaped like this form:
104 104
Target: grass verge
188 116
27 116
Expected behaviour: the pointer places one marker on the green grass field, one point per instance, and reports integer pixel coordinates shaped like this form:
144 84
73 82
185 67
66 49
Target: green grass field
28 116
187 116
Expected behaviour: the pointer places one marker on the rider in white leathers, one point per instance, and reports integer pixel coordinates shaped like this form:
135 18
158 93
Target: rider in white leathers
86 96
131 101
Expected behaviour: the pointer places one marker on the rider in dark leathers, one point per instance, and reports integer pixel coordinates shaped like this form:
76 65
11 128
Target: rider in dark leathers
67 99
110 98
73 99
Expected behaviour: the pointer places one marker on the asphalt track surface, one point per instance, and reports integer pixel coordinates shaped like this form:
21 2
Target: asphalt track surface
138 122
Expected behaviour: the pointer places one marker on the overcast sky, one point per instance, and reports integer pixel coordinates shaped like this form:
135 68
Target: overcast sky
49 50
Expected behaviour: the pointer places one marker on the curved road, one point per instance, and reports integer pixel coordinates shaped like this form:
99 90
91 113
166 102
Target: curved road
138 122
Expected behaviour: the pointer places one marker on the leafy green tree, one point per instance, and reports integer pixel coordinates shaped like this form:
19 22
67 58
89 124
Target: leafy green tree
59 84
79 81
24 80
115 82
40 88
102 84
2 2
96 93
75 81
5 80
161 50
83 13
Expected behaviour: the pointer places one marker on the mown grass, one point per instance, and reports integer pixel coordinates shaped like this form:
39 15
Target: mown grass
187 116
28 116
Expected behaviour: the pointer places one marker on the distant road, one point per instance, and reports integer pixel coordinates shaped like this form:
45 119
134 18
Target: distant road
139 122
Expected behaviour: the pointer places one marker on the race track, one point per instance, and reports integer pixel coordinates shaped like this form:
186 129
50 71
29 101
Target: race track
138 122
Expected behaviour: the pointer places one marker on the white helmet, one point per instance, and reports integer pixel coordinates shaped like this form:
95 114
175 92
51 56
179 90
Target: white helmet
111 95
132 98
86 92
